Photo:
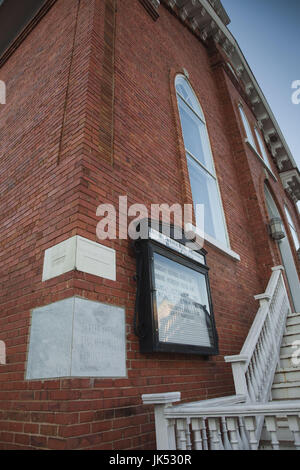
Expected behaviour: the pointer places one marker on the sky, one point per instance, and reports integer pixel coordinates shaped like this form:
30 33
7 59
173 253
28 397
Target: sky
268 32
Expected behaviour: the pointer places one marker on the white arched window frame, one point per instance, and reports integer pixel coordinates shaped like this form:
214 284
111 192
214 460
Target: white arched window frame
202 173
247 128
232 70
292 228
263 152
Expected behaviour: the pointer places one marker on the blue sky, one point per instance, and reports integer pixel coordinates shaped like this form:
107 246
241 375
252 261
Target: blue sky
268 32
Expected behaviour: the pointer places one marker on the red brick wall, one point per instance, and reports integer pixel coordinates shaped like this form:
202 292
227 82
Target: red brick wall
56 171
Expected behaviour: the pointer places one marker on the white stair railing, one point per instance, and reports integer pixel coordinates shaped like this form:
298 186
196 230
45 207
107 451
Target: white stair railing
235 425
254 368
236 422
232 427
165 428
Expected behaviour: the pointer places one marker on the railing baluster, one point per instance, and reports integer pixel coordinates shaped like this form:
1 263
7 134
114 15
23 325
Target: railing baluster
181 427
226 442
214 433
197 425
253 379
250 386
244 437
220 435
250 424
271 425
177 437
204 435
294 425
188 435
232 428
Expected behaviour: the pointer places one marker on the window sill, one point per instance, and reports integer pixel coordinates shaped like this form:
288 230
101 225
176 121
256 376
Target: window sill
224 249
261 159
212 242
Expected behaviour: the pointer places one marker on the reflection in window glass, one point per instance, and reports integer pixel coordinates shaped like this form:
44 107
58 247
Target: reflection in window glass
182 304
202 174
247 128
262 147
292 228
205 191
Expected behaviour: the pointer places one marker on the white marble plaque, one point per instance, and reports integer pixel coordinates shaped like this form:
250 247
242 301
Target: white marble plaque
81 254
93 258
77 338
60 259
98 340
50 342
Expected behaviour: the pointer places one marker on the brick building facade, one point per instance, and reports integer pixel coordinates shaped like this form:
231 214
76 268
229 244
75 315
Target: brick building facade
91 115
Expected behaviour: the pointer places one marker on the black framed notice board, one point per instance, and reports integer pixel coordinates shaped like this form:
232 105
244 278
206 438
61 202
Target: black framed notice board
174 311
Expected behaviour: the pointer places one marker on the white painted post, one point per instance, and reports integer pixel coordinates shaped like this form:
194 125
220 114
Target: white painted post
2 353
238 370
164 428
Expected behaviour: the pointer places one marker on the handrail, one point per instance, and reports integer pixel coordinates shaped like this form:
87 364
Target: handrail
216 402
254 368
235 427
280 408
259 320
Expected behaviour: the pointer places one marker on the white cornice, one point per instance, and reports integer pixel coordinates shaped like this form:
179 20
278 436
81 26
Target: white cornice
291 183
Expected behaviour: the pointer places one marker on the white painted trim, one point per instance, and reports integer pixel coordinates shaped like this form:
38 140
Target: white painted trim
281 408
227 251
260 159
161 398
222 401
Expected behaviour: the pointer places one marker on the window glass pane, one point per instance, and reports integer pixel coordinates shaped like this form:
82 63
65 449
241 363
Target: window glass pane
292 229
182 304
203 183
289 218
247 128
205 191
195 135
295 238
272 208
262 148
184 89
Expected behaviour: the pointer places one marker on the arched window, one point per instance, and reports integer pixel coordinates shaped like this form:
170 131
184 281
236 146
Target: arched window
262 147
286 253
292 228
247 127
202 173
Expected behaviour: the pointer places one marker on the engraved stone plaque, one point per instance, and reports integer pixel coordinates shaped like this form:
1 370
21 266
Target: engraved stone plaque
93 258
60 259
51 341
98 340
81 254
77 338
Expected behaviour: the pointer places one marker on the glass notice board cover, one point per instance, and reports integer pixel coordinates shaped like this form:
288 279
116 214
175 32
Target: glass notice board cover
174 310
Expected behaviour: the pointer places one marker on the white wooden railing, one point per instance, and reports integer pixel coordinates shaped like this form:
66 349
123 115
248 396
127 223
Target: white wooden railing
254 368
236 422
221 424
232 427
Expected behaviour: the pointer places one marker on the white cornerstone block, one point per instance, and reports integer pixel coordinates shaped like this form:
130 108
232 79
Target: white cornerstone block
81 254
77 337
